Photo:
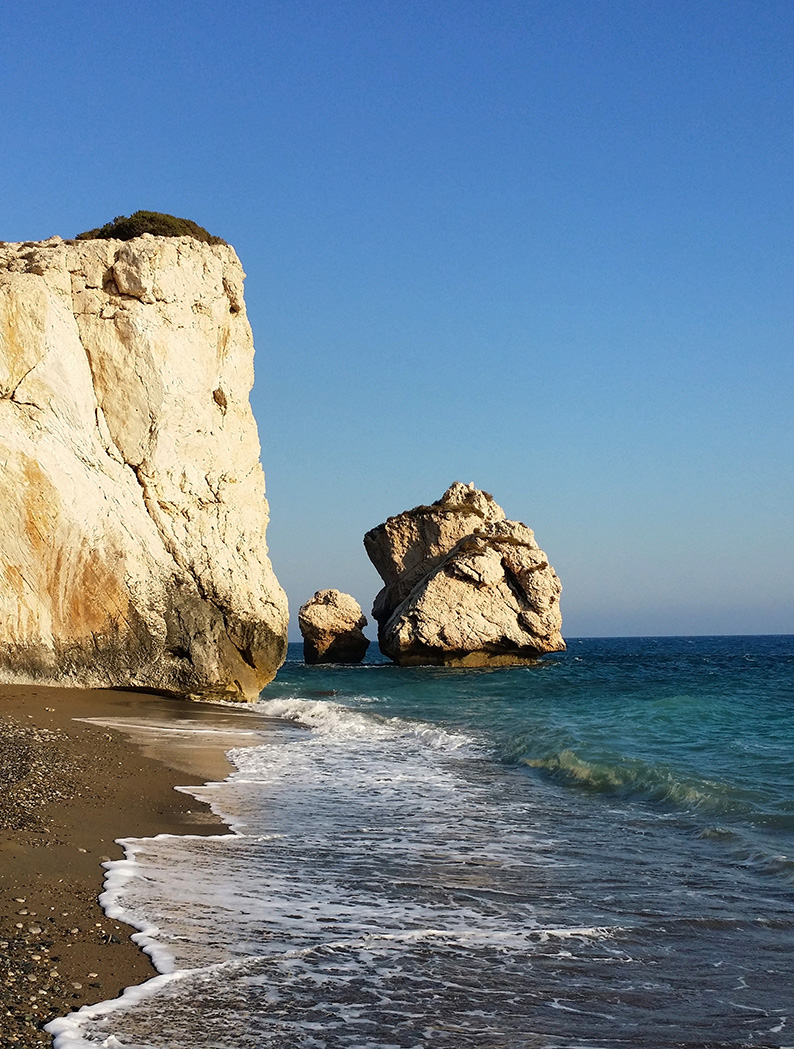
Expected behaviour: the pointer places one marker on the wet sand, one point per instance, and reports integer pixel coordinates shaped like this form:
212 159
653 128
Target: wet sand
68 790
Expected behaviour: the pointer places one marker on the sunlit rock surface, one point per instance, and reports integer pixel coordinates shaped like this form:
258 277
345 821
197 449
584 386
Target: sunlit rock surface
332 627
463 585
132 505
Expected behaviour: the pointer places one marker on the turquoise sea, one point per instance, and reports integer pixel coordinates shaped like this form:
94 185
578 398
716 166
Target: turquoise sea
596 851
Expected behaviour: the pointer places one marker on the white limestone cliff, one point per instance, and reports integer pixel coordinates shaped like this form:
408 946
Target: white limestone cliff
132 498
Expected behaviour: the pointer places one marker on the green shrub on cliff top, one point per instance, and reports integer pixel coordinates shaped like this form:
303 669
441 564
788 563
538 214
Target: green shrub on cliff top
154 222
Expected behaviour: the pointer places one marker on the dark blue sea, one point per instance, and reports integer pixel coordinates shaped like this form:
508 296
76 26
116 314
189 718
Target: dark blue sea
596 851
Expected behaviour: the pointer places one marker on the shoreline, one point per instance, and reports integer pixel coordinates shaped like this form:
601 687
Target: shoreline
68 790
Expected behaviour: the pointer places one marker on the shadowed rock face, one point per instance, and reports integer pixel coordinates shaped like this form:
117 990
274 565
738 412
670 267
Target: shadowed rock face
332 627
464 586
132 499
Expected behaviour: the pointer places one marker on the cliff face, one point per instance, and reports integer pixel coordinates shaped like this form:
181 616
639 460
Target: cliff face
132 499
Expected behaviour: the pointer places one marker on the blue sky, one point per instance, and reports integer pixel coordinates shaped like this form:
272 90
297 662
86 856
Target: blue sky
542 246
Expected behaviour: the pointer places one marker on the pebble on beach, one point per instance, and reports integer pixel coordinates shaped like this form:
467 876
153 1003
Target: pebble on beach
36 771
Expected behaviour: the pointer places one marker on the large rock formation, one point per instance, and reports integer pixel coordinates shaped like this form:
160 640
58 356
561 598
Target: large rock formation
464 586
132 499
332 626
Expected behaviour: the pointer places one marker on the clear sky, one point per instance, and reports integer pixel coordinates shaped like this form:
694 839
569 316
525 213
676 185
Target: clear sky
545 246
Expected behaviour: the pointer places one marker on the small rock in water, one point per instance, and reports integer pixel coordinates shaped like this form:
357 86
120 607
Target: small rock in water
331 624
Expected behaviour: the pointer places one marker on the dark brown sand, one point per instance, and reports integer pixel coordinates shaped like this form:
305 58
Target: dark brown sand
68 790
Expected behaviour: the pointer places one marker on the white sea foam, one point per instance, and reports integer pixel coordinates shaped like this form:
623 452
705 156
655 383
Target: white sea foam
159 728
332 847
341 722
389 885
70 1032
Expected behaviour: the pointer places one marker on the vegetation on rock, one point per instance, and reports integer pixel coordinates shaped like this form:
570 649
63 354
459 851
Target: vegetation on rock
154 222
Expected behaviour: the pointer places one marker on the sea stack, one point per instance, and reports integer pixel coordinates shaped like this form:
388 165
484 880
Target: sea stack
332 627
132 505
463 585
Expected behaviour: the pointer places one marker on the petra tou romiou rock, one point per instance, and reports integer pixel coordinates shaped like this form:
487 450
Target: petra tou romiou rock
332 626
132 498
463 586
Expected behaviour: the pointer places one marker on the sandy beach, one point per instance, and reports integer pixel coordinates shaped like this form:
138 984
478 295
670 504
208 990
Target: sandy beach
68 790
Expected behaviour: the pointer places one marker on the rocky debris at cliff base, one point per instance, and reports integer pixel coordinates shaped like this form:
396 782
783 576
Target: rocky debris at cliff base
132 498
332 627
463 585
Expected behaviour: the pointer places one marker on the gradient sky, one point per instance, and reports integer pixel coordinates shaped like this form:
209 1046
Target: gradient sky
542 246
